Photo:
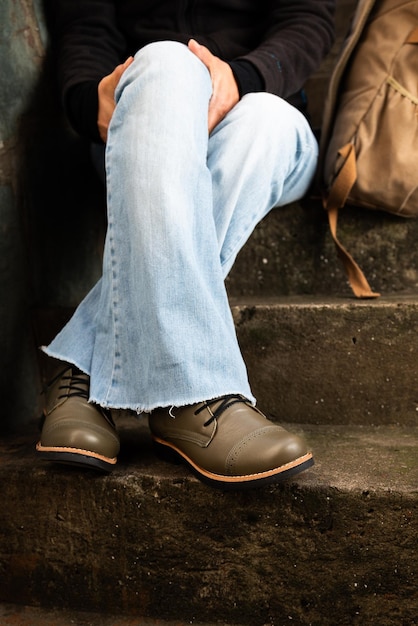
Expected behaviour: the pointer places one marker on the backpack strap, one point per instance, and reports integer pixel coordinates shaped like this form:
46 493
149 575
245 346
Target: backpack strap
413 36
336 199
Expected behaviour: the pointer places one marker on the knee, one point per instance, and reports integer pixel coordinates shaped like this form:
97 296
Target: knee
170 63
171 57
162 50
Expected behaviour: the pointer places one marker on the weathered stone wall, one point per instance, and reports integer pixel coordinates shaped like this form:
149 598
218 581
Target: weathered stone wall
22 44
51 207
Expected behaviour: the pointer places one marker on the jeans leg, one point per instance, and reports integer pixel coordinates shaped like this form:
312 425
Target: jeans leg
262 155
163 330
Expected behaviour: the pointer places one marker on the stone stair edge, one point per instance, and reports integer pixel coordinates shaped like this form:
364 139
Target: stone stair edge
349 458
302 300
326 300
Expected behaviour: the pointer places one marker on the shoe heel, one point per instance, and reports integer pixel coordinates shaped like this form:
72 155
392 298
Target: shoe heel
165 453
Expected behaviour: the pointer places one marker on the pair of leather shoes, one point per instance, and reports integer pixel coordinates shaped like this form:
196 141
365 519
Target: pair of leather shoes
227 442
75 431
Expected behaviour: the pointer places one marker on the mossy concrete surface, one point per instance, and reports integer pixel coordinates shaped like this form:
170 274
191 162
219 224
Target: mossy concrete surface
332 360
318 360
291 252
336 545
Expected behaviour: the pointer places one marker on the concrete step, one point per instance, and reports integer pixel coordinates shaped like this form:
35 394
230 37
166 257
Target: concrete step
327 360
319 360
336 545
291 252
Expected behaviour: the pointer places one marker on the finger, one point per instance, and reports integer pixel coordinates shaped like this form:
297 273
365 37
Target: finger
119 69
193 45
201 52
127 63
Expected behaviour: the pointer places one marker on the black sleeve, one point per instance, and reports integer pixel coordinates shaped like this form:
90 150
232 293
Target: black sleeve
81 106
300 34
249 79
85 41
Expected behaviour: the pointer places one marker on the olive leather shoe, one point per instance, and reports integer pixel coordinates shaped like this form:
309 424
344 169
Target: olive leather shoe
75 431
229 443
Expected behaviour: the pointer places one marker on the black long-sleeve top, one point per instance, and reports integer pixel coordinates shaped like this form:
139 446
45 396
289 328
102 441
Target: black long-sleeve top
271 45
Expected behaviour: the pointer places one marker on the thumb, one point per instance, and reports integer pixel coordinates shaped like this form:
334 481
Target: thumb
193 45
200 51
119 69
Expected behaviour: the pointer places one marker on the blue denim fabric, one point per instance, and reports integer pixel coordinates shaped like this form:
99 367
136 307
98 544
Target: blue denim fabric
157 329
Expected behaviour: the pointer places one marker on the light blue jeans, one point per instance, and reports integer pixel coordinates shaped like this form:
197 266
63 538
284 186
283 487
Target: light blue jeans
157 329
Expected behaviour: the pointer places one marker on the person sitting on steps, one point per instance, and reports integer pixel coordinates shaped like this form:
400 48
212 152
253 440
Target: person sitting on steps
198 108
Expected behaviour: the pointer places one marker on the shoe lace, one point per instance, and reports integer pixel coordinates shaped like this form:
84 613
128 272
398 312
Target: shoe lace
225 402
73 384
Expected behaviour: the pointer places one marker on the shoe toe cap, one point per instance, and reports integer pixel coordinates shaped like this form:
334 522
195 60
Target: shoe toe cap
266 449
76 435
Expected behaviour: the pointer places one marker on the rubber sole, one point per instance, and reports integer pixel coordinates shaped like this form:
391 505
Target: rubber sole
76 457
168 452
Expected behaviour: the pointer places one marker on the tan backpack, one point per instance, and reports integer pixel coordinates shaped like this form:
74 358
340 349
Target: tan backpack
369 138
